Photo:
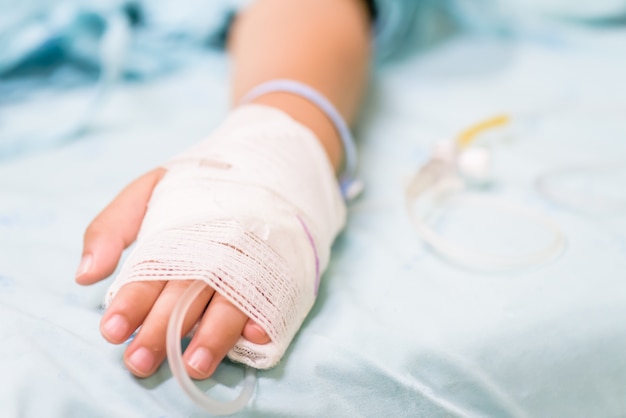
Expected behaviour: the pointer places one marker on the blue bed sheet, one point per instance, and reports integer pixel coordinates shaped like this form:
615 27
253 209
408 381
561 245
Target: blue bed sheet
396 331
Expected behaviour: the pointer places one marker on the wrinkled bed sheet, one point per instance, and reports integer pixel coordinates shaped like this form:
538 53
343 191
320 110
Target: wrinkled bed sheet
396 331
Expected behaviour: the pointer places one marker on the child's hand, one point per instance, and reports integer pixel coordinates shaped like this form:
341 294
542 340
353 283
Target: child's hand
147 305
252 211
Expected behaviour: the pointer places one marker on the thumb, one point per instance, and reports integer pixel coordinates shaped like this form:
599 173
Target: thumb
115 228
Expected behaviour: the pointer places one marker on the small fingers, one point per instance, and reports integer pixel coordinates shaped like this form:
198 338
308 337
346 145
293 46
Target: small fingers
147 351
149 305
129 309
115 228
219 330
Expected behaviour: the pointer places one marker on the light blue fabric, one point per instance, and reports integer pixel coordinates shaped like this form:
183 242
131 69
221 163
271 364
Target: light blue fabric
396 331
35 32
47 46
403 26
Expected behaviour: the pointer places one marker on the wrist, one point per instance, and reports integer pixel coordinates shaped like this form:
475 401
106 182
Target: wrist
310 115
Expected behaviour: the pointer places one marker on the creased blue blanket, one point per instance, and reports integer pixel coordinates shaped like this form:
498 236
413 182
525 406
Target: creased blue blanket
396 330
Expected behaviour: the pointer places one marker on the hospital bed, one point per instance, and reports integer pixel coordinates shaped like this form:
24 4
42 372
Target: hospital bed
397 330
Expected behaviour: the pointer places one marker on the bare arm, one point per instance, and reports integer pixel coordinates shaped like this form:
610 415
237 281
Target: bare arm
323 43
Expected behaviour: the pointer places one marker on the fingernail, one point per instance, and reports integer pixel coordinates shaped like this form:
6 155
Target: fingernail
142 360
116 328
261 337
85 265
201 361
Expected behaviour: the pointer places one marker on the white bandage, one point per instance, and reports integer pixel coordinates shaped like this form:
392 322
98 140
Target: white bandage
252 211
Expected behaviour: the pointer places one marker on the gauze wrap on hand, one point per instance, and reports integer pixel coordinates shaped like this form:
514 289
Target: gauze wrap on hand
252 211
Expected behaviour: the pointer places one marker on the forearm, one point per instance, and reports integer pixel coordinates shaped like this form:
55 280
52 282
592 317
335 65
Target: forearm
323 43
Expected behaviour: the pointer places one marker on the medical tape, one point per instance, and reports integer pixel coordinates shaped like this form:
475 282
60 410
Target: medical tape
350 186
252 211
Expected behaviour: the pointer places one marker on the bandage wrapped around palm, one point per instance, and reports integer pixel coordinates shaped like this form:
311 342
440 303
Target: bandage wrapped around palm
252 211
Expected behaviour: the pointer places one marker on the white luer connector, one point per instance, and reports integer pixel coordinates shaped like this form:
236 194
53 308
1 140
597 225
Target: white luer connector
475 165
252 211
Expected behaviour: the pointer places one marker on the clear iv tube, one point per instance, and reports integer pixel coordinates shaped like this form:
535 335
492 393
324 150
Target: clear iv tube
482 260
174 356
440 176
